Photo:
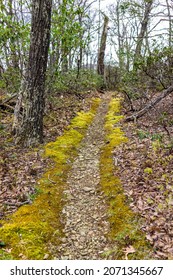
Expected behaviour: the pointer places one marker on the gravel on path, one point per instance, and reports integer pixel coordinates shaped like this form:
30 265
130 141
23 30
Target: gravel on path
84 217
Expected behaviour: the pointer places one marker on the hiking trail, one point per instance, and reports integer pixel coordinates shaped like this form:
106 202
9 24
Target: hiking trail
84 214
81 208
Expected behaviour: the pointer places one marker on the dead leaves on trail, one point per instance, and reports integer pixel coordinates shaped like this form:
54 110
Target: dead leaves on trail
129 250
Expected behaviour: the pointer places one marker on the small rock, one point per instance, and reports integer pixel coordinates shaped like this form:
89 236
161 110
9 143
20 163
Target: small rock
46 256
64 258
73 237
86 189
84 253
63 240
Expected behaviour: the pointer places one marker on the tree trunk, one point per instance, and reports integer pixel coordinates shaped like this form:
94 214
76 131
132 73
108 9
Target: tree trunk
144 25
120 39
29 110
101 55
64 57
170 35
12 43
80 47
151 104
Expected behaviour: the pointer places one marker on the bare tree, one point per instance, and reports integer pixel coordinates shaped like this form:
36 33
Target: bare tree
101 54
170 34
143 30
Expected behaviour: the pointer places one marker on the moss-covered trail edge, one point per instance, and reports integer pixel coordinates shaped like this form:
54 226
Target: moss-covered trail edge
129 242
35 231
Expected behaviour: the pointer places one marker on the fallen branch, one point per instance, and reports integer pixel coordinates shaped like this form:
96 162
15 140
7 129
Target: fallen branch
17 204
1 193
129 100
150 105
50 179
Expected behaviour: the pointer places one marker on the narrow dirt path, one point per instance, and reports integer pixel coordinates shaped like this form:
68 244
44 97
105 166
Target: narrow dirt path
84 214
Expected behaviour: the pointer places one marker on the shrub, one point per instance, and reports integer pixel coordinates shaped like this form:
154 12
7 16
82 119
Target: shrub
71 82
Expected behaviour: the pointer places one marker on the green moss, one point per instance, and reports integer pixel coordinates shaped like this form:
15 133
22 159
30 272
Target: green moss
148 170
82 119
35 230
115 136
124 224
62 147
4 255
156 145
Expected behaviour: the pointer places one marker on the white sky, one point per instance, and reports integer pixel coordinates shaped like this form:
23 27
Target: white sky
111 49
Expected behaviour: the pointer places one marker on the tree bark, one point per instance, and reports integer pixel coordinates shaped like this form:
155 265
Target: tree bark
29 110
120 38
150 105
170 62
144 25
12 43
101 55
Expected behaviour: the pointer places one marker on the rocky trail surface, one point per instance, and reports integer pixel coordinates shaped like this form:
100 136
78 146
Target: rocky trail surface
84 214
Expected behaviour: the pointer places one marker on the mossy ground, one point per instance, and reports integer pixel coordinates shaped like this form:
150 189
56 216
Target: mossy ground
123 222
33 232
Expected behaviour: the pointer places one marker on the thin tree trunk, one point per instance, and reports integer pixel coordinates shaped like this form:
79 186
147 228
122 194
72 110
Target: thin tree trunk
81 47
13 47
151 104
143 30
64 57
120 39
28 116
101 55
170 34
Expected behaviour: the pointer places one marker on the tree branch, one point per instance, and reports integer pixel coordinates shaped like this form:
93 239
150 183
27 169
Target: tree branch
151 104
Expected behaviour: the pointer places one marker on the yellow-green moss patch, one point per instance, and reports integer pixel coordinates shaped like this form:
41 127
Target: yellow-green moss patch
34 231
124 224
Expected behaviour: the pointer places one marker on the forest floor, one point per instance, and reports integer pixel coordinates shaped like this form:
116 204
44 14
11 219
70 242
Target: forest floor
144 165
20 168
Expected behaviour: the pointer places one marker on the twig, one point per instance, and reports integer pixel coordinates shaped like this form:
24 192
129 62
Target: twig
51 180
7 106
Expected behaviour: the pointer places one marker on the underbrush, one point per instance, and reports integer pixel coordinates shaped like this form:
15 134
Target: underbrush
74 82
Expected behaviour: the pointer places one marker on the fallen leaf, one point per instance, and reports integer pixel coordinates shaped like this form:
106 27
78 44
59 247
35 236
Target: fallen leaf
129 250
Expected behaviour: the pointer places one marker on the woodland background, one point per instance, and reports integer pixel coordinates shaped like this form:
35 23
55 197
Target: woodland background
127 47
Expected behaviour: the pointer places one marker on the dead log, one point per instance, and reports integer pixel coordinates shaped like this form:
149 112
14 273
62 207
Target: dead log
150 105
